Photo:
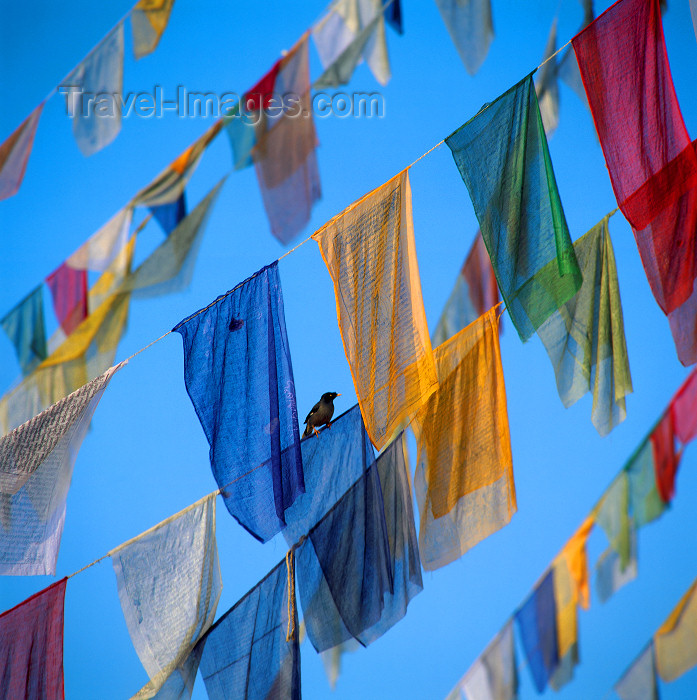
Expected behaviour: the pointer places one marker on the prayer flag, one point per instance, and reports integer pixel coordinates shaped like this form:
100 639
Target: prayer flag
610 575
639 681
100 250
93 104
169 584
26 328
676 639
683 327
370 254
239 377
683 409
149 20
252 651
568 69
464 473
547 87
36 466
645 503
69 290
585 337
612 514
518 206
393 16
169 215
471 28
31 646
665 459
15 152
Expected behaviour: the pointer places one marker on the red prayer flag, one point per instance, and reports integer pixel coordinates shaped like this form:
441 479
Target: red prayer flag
31 646
665 460
683 409
69 290
262 92
14 154
479 274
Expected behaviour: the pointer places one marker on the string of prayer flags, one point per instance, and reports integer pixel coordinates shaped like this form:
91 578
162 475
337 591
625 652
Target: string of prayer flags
676 639
100 250
645 502
547 87
252 652
371 257
464 474
585 338
169 584
69 291
97 122
31 646
25 326
149 20
518 206
15 152
36 466
471 29
475 292
639 681
610 576
493 676
169 215
683 409
351 30
239 376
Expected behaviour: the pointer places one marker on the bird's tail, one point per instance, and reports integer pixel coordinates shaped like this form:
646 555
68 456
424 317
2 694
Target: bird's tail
308 431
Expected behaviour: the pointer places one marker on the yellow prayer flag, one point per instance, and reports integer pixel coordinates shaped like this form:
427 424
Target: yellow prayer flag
676 638
149 20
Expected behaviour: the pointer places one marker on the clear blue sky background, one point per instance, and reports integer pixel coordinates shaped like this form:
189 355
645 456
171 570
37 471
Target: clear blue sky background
146 456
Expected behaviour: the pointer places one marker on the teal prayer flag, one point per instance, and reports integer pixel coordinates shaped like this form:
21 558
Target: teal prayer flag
26 329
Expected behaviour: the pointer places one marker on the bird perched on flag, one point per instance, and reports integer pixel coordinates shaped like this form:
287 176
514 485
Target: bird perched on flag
321 413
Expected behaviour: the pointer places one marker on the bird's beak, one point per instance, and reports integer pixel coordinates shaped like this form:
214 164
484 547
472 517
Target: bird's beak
338 394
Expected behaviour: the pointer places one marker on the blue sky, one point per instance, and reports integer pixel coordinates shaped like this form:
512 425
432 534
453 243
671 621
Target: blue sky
146 456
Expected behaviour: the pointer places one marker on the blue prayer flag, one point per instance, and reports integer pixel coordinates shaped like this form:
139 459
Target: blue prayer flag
393 16
169 215
26 329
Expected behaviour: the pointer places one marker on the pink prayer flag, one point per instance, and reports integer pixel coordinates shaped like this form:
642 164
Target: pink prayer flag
477 270
665 459
69 290
683 409
14 154
31 646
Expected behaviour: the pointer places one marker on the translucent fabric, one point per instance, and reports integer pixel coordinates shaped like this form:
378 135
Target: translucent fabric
693 12
464 472
610 575
537 624
475 292
239 377
639 681
683 409
370 254
665 458
169 584
471 28
15 152
612 514
585 337
25 326
170 267
169 215
652 163
69 291
249 654
149 20
683 327
547 86
97 122
100 250
493 676
31 646
518 206
645 503
676 639
36 466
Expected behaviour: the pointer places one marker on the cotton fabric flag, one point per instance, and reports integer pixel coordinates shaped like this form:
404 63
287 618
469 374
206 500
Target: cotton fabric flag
585 337
15 152
475 292
31 646
101 249
665 458
239 377
93 104
683 327
518 206
394 17
471 28
149 20
248 654
610 575
464 471
169 584
612 514
493 676
639 681
547 87
676 640
370 254
683 409
645 502
568 69
169 215
36 466
69 291
25 326
537 623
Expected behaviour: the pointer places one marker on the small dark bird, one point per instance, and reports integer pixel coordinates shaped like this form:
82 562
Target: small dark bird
321 413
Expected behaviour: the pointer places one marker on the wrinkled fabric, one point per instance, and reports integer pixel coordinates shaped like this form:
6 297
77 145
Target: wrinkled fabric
475 292
612 514
547 86
97 122
518 206
676 639
537 624
683 409
610 575
370 254
639 681
169 584
15 152
247 655
31 646
25 326
568 69
239 376
493 676
665 458
100 250
394 17
464 471
585 337
645 503
471 29
170 215
683 328
69 291
36 466
149 20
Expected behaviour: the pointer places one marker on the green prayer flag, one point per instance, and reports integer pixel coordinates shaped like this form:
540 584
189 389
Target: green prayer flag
645 503
26 329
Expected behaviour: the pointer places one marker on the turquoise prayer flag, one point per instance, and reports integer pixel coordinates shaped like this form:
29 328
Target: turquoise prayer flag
26 329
